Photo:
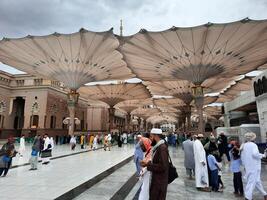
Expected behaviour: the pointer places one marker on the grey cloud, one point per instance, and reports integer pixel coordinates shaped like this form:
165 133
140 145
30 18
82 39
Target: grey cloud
38 17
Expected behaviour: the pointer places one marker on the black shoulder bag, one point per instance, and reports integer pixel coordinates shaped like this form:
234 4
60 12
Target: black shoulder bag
172 171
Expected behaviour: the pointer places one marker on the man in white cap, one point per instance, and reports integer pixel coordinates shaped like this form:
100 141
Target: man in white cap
159 166
251 159
201 169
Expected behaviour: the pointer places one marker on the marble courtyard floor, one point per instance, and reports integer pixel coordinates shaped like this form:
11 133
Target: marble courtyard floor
100 175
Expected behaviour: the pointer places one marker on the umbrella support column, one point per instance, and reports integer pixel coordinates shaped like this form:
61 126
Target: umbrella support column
128 122
73 98
111 112
199 101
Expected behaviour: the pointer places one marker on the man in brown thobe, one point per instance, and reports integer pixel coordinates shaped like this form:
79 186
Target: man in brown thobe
159 166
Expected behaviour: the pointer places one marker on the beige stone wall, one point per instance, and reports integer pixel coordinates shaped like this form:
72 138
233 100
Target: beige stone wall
31 96
97 118
56 106
4 110
81 114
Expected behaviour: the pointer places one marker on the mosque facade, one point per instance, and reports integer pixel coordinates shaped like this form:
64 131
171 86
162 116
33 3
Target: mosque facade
30 105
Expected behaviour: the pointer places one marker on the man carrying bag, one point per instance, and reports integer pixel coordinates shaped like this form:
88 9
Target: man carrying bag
159 166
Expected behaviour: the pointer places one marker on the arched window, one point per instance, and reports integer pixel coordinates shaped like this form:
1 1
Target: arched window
260 85
255 89
264 82
2 121
34 121
53 121
82 124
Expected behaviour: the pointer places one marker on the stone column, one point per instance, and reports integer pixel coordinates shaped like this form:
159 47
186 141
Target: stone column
144 125
111 112
199 101
177 124
11 105
139 123
73 98
198 94
226 119
128 122
188 117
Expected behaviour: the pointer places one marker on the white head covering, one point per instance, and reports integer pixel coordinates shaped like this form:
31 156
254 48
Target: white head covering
250 136
156 131
200 135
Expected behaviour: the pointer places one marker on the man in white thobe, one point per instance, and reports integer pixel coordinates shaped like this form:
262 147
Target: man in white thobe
22 146
201 170
251 159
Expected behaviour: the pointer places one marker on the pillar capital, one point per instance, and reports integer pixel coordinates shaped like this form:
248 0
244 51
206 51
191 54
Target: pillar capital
73 97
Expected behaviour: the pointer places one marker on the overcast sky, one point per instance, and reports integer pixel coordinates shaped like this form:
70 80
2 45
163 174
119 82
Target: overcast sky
19 18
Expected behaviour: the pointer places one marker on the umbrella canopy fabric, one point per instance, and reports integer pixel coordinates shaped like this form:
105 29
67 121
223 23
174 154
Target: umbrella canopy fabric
74 59
145 112
234 90
161 118
180 89
171 102
197 53
130 105
112 94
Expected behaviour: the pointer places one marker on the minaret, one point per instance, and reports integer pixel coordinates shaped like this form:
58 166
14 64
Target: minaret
121 28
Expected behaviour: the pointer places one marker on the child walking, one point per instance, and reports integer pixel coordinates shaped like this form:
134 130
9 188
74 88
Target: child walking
219 163
34 159
235 169
214 169
34 153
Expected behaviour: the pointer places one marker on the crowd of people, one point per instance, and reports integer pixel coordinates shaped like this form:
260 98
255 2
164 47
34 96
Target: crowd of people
205 158
42 147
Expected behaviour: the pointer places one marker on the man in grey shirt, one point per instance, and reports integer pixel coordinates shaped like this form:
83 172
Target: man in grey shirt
189 161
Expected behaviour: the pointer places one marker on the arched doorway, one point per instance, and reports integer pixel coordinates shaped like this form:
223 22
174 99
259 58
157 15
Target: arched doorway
18 109
208 127
34 121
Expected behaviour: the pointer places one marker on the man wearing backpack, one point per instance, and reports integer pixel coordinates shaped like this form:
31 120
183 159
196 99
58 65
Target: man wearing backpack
159 166
6 154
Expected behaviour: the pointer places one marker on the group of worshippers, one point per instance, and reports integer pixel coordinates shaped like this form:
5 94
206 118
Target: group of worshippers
42 147
205 163
152 163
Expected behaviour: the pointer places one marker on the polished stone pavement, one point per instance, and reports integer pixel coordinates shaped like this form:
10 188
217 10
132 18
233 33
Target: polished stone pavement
58 150
106 188
61 175
66 173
